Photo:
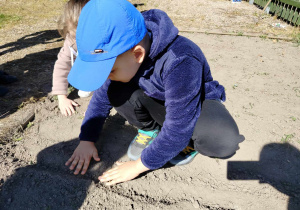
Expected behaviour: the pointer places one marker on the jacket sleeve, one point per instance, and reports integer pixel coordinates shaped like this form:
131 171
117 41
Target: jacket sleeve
62 68
183 87
97 112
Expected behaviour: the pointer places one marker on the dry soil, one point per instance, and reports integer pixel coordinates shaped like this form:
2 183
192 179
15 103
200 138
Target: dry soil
261 77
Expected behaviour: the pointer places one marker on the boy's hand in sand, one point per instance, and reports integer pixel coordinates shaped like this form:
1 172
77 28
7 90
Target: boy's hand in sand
82 157
66 105
123 172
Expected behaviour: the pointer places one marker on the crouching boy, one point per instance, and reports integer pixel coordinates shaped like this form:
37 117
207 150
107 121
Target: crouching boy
158 81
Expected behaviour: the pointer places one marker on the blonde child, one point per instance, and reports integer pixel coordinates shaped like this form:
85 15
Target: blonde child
67 29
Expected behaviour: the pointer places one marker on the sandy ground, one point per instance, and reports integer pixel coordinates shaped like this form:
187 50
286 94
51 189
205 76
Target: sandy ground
261 78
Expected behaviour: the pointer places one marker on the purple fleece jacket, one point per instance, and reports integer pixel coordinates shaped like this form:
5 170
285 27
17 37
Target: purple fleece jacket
176 72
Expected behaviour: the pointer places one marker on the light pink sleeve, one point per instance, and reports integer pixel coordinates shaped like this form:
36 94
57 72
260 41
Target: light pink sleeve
62 68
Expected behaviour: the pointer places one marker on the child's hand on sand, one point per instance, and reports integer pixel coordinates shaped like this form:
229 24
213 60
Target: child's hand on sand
66 105
123 172
82 156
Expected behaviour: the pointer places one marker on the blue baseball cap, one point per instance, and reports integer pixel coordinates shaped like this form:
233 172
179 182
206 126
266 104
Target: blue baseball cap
106 29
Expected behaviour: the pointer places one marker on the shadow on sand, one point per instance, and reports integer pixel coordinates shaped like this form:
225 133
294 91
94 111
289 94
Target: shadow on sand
34 71
41 37
49 184
279 166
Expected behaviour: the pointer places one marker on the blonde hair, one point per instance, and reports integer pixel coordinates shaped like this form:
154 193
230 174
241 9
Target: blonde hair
68 21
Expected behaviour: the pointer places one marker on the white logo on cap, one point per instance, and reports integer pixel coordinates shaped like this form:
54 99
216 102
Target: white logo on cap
97 51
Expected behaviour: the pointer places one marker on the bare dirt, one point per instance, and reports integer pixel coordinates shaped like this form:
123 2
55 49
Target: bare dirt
261 77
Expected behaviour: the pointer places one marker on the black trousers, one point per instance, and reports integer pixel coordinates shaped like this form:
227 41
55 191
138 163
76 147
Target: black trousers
215 134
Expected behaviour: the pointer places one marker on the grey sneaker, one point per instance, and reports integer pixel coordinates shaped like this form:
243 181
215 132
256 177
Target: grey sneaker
142 140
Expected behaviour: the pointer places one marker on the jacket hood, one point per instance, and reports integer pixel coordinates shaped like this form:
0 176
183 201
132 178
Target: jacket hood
162 30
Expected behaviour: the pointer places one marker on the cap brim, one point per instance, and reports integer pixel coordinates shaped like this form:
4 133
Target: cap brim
89 76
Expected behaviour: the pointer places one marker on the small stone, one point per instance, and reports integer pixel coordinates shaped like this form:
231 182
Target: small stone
9 200
161 176
196 205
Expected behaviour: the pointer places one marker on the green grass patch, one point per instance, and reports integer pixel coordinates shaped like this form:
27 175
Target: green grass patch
240 33
54 98
296 38
297 91
6 19
287 138
70 89
29 12
263 36
29 125
18 139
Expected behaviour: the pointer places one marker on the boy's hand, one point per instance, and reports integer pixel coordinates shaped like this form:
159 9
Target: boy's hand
82 156
66 105
123 172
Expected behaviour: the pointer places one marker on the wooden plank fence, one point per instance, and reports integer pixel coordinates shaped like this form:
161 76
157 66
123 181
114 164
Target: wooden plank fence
288 10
